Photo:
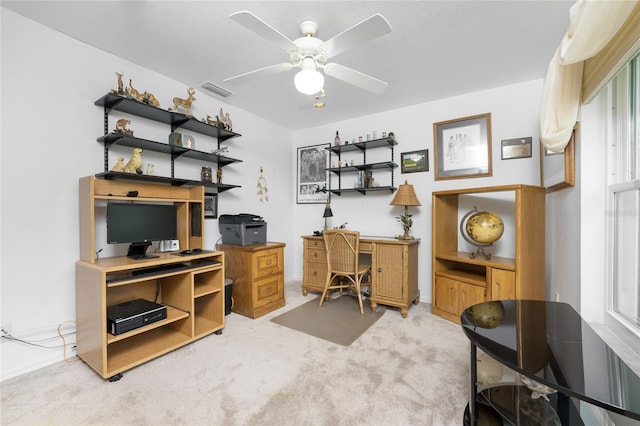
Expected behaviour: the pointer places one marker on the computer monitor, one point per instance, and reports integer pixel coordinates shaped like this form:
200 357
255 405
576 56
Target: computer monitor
139 224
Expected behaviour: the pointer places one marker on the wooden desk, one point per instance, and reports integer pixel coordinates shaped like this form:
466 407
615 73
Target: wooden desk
394 269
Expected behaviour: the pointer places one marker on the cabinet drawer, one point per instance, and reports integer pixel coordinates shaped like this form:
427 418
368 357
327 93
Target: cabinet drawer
268 262
315 255
315 273
365 247
268 290
313 243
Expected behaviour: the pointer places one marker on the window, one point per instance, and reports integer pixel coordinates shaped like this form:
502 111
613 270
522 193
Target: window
623 197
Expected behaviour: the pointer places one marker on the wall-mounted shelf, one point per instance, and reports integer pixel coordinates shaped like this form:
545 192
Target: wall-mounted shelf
176 120
165 180
363 166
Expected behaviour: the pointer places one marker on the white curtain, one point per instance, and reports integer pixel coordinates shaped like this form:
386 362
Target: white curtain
592 24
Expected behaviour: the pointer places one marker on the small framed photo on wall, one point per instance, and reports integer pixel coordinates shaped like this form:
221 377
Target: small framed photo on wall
210 206
415 161
516 148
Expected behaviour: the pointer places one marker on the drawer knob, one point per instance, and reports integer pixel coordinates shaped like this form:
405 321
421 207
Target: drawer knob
379 269
315 254
315 273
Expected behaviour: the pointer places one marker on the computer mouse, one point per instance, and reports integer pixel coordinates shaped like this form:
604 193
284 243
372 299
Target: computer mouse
186 252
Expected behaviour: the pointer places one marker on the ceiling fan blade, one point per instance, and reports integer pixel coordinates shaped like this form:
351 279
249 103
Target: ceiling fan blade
358 79
263 29
369 29
270 70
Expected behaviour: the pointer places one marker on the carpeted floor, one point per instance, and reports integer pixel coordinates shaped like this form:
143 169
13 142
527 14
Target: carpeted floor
338 320
401 371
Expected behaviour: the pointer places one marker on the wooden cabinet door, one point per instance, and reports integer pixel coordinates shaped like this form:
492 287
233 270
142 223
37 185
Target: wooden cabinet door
469 295
503 284
389 280
446 295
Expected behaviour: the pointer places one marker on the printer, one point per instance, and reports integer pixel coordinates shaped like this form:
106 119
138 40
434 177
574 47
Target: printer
242 229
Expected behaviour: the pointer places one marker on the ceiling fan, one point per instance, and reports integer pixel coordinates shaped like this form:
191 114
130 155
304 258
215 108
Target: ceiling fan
311 54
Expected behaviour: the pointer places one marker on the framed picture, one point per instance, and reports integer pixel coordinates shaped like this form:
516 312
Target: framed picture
463 147
210 206
516 148
312 185
415 161
557 170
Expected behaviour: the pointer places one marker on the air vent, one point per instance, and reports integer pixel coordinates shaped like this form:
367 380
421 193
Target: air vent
220 91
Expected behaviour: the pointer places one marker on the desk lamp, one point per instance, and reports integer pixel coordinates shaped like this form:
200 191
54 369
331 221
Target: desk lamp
405 196
327 213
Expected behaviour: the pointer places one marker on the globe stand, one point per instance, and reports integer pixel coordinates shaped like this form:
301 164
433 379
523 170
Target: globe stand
480 252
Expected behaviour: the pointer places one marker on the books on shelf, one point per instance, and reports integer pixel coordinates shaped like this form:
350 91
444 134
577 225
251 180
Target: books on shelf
365 179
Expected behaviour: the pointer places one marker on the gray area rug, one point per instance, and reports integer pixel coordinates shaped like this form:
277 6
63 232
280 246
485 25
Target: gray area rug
337 320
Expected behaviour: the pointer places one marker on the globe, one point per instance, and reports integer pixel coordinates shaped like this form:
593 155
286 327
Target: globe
484 227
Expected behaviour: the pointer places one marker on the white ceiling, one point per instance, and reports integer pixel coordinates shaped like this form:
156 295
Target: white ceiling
437 49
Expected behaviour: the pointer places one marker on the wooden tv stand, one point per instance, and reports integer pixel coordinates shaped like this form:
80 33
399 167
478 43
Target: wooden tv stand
190 286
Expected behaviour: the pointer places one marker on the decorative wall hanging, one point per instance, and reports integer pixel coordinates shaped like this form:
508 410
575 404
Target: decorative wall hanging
210 206
313 179
463 147
516 148
415 161
263 191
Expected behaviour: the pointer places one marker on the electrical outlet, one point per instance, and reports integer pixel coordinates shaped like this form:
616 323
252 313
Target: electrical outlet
557 297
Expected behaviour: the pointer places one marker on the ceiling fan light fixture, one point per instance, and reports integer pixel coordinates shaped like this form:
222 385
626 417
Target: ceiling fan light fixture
309 81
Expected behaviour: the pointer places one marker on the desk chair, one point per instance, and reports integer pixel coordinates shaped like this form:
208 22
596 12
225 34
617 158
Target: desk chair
342 247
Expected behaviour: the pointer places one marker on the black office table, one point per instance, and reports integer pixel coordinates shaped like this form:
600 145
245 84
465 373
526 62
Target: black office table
550 343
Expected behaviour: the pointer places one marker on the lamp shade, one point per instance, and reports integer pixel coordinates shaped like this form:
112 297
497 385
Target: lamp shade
327 212
405 196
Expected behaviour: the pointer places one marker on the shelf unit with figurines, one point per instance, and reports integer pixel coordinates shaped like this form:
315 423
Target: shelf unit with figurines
124 101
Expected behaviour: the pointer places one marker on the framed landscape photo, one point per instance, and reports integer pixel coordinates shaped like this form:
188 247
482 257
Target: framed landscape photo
415 161
210 206
312 185
463 147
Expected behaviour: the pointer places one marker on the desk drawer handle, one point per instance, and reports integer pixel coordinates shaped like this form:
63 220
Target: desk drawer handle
379 269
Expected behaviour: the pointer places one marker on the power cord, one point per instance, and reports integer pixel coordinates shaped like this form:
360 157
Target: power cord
39 343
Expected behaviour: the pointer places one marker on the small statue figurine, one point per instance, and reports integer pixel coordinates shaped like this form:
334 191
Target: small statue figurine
121 127
134 93
135 163
119 167
150 169
120 91
185 103
219 175
225 120
149 99
210 121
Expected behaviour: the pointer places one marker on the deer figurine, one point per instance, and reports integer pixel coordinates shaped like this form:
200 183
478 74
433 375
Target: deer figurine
185 103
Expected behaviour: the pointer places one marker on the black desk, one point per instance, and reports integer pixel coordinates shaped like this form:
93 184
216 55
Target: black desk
550 343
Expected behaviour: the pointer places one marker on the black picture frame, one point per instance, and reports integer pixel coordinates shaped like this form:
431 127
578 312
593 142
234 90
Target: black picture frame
414 161
463 147
312 183
210 206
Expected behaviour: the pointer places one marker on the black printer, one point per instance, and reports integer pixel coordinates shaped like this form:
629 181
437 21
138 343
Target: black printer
242 229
